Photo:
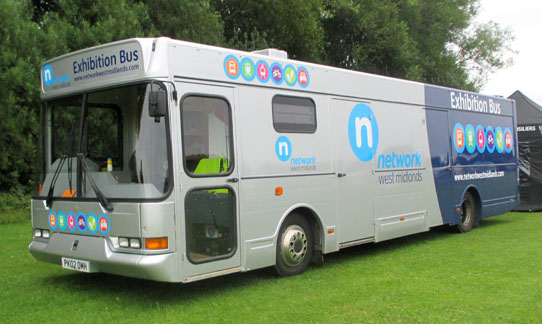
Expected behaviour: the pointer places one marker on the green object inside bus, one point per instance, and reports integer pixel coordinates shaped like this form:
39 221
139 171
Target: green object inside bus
213 166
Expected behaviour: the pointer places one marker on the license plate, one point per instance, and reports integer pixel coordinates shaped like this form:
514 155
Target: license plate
77 265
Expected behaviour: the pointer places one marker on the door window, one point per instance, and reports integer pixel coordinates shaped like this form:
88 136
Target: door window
206 128
210 224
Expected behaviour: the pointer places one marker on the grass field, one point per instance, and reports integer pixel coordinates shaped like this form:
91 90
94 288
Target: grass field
490 275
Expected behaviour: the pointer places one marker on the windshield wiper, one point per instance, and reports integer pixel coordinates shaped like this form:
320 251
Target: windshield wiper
99 194
49 199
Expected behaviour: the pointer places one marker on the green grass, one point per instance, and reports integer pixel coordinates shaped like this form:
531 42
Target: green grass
490 275
14 207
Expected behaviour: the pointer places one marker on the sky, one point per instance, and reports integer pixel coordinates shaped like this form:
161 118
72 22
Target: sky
524 18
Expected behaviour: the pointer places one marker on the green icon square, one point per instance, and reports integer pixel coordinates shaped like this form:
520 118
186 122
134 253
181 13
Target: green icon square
248 70
92 224
470 138
289 75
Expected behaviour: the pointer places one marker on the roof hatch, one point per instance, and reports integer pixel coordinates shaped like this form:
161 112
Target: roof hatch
273 52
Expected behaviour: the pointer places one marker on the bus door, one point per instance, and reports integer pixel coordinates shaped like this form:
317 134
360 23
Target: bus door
441 160
354 194
209 186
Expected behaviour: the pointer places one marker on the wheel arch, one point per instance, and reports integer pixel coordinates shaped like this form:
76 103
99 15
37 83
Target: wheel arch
312 217
475 193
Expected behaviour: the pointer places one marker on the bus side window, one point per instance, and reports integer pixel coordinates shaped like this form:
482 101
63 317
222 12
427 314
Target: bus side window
294 114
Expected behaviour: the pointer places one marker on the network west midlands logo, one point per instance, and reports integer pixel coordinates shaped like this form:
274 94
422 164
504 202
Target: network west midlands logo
283 150
363 132
49 79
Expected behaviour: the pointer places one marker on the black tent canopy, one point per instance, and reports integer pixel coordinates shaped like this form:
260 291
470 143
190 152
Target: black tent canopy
529 122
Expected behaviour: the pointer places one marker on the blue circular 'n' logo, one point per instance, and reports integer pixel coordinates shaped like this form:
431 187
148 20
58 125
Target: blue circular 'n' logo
363 132
47 75
283 148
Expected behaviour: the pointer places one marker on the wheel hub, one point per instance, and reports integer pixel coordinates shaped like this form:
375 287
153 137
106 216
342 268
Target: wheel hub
294 245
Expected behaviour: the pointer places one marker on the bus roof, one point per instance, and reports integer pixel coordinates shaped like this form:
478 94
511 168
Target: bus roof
138 59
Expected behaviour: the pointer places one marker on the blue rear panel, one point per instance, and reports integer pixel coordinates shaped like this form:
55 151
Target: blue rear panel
473 144
439 146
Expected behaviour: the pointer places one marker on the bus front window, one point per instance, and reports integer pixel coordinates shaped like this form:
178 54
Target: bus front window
126 150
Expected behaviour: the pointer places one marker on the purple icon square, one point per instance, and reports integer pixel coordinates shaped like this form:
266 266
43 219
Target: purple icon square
490 139
81 222
276 73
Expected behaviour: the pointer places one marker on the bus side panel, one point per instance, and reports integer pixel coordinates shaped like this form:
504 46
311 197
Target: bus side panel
475 161
404 197
302 169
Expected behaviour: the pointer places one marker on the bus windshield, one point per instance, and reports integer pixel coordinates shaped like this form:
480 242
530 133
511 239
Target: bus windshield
126 151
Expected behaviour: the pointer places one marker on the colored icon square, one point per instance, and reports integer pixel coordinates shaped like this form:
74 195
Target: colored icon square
276 73
262 71
52 220
459 138
303 77
480 139
470 138
248 70
71 222
231 67
490 139
289 75
103 224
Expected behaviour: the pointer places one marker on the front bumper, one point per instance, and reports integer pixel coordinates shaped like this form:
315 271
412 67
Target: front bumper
96 250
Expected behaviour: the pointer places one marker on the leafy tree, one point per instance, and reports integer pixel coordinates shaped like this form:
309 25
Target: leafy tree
189 20
432 41
483 49
43 7
293 26
369 36
433 27
454 50
19 57
80 24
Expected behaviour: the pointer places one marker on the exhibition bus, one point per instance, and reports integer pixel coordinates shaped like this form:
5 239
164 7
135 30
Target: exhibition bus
173 161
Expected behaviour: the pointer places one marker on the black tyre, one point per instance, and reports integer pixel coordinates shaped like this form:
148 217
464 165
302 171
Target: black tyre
468 213
294 246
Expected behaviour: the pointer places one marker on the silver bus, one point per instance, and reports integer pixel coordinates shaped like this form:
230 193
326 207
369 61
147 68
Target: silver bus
174 161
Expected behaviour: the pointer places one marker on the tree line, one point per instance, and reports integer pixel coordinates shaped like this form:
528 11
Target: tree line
432 41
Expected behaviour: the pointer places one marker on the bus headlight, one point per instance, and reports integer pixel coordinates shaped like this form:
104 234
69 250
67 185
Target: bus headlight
42 233
123 242
135 243
130 242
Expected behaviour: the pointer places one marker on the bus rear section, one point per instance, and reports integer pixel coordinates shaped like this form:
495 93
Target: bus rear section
474 154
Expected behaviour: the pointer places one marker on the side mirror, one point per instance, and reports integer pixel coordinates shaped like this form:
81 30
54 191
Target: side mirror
157 103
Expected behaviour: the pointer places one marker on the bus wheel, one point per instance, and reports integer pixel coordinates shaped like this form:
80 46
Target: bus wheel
294 246
468 213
